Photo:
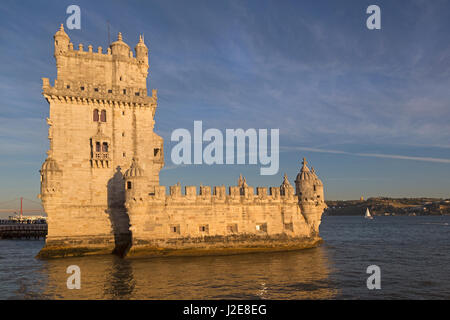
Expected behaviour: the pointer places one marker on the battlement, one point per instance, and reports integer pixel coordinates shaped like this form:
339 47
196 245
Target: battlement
212 195
309 193
99 92
118 67
98 54
234 214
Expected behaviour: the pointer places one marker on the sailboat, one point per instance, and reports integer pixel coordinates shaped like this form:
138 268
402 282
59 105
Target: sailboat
368 215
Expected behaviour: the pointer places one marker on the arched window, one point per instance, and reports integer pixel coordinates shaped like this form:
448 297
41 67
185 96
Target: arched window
97 147
105 147
103 116
96 115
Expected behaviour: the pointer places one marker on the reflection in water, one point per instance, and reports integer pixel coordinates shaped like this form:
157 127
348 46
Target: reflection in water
283 275
119 280
412 252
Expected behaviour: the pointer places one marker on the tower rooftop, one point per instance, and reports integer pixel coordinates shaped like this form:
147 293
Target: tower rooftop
61 32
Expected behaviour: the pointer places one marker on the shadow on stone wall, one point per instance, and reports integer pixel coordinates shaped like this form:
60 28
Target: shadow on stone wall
120 221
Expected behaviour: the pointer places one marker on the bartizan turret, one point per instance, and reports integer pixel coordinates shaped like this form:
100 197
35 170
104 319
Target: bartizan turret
50 180
62 41
136 193
142 56
135 182
51 193
309 190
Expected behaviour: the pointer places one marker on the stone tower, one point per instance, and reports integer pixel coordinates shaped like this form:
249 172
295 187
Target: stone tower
100 182
100 119
309 190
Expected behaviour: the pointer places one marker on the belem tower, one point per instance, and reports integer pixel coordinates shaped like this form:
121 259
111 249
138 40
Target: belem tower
100 182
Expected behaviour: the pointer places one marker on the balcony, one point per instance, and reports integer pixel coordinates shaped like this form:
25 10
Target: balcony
101 156
100 160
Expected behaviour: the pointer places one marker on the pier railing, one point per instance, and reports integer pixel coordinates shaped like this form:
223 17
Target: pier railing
22 230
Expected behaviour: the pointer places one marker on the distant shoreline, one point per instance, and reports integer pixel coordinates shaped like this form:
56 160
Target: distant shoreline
383 206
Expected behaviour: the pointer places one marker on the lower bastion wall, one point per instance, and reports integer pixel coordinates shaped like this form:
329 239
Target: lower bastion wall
219 223
152 222
82 230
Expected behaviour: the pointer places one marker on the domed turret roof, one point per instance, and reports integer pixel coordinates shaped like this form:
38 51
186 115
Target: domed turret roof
316 178
119 41
50 165
135 170
61 32
141 43
305 173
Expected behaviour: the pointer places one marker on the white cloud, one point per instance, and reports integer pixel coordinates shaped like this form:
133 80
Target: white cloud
372 155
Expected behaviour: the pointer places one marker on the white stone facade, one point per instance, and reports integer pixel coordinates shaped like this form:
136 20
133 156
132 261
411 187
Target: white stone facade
100 182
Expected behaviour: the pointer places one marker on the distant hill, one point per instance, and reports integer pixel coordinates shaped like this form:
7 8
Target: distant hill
389 206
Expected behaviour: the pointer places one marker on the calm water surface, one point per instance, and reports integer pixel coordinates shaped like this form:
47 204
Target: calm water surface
412 252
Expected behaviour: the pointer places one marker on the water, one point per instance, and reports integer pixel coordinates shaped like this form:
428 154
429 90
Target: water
412 252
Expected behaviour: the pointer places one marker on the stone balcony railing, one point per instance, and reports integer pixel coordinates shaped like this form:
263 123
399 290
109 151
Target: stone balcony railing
101 156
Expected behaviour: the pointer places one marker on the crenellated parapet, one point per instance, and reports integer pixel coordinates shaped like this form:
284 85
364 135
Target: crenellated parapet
98 54
203 195
236 216
117 71
118 50
270 210
89 93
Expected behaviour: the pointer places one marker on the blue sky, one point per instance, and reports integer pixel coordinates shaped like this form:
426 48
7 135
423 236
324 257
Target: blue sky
369 109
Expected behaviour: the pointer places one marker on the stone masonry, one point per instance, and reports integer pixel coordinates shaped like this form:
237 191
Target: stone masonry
100 182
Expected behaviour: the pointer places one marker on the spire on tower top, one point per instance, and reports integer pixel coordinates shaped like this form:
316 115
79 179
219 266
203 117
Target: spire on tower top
286 180
140 45
119 36
304 163
61 33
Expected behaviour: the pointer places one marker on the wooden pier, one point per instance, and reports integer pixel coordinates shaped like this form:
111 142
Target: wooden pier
23 231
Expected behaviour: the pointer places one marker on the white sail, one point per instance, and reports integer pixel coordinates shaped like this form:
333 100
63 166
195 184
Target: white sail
368 215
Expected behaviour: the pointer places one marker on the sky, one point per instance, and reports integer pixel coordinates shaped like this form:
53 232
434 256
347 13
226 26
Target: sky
369 109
